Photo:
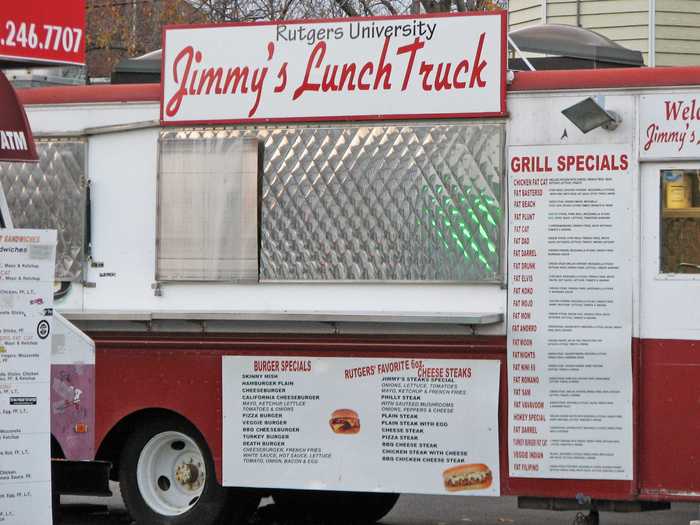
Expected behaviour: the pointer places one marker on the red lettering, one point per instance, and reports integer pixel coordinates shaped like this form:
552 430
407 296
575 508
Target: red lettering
411 49
317 54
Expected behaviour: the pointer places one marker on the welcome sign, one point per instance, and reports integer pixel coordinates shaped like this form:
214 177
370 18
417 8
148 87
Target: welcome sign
446 65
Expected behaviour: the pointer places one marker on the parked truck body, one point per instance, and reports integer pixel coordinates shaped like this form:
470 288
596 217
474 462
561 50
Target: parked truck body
354 245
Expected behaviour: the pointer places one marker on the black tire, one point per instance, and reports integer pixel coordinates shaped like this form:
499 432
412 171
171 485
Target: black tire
373 506
216 504
336 507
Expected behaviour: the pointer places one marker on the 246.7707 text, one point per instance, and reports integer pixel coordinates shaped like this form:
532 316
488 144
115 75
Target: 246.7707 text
49 37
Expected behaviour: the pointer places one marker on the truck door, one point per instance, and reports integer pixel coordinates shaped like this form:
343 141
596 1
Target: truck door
669 329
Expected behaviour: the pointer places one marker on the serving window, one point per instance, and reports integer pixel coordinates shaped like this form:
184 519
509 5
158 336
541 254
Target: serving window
207 208
415 202
680 221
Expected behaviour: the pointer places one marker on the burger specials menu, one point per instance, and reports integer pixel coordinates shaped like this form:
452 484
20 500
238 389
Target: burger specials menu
27 260
570 312
362 424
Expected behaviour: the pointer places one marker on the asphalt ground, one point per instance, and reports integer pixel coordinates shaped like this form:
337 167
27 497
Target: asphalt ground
410 510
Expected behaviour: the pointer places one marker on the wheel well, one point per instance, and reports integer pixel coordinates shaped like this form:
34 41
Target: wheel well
56 449
111 447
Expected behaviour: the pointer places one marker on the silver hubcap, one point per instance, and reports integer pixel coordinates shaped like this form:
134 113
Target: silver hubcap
170 473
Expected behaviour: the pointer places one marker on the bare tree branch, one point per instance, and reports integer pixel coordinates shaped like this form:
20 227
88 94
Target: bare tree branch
389 7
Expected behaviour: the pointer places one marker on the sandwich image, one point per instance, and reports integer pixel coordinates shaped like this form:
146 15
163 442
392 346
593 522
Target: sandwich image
474 476
345 421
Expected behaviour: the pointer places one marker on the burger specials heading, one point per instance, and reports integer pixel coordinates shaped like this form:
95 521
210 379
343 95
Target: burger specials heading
397 67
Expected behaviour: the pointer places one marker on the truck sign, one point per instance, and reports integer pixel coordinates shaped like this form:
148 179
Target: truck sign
429 66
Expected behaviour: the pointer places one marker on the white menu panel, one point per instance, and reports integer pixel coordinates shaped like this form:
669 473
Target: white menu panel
362 424
27 259
570 312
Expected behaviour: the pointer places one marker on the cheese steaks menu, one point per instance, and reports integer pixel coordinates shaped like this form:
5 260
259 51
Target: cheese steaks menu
363 424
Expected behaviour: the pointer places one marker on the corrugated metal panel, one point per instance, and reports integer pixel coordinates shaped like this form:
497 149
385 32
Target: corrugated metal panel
50 194
405 202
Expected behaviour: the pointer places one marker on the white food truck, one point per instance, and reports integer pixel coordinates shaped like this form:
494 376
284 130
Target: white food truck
343 260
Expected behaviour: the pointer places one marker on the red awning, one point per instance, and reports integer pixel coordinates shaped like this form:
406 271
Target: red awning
16 141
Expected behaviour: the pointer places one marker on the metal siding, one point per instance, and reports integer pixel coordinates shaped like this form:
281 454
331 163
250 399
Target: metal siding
665 59
408 202
51 194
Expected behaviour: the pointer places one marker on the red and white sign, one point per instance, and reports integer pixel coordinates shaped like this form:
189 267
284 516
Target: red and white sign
669 126
425 426
570 312
446 65
43 32
16 141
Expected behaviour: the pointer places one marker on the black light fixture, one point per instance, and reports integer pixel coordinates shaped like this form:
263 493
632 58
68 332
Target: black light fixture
590 114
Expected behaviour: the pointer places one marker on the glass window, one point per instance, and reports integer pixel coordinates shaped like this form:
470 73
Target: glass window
680 221
207 209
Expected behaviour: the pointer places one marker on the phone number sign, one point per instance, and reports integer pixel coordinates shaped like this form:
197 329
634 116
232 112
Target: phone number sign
43 32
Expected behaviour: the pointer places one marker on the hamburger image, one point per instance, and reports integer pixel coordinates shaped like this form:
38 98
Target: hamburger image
474 476
345 421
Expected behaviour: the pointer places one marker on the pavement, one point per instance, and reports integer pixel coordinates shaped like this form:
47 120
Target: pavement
410 510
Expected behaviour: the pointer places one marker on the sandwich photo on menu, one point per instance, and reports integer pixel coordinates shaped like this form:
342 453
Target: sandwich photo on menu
473 476
345 421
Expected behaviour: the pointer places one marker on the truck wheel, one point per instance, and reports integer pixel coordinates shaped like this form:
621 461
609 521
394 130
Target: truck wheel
373 506
167 477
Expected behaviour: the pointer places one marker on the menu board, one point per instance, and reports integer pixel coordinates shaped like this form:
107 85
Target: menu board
570 312
27 259
389 425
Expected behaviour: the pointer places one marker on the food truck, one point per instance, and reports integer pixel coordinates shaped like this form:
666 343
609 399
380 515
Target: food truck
354 260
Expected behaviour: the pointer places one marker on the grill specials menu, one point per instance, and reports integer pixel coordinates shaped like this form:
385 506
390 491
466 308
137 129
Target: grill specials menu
27 260
390 425
570 312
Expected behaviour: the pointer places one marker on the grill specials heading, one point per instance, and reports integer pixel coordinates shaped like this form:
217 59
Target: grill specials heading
448 65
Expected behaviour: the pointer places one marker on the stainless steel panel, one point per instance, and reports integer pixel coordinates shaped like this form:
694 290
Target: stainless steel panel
50 194
409 202
207 210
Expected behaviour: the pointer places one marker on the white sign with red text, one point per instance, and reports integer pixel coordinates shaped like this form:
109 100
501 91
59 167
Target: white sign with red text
669 126
395 67
570 312
361 424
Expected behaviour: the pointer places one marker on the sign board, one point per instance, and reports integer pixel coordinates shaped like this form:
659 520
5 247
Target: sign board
669 126
27 259
43 32
444 65
570 312
362 424
16 140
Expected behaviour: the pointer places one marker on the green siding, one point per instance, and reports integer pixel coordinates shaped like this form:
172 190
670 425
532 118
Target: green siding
625 22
